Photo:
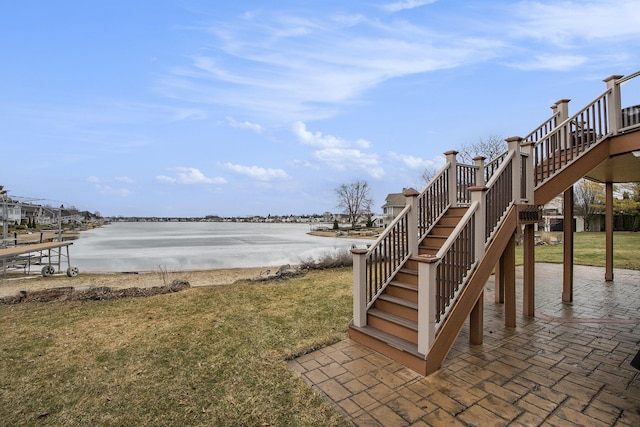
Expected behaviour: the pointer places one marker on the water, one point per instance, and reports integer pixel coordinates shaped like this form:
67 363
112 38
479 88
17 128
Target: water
179 246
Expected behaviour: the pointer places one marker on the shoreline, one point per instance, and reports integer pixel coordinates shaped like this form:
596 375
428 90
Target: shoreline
11 286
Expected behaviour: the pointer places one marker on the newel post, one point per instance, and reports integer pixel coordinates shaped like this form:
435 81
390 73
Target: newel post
452 177
427 269
478 162
359 287
528 169
562 108
479 195
514 146
615 104
411 199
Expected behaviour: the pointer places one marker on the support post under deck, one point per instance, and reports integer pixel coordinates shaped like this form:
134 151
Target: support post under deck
528 294
608 221
567 261
510 283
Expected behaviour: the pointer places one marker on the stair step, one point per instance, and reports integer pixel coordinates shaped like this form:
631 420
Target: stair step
398 301
441 230
404 285
390 340
406 270
409 324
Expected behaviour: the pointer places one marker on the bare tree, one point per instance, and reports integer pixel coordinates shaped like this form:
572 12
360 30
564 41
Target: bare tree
489 147
588 200
355 200
428 174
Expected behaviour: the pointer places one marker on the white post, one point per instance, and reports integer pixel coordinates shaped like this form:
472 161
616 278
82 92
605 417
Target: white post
615 104
478 195
411 199
452 182
562 107
359 287
478 162
514 147
427 266
527 150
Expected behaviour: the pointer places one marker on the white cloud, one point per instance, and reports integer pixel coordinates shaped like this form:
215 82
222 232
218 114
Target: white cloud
244 125
325 63
551 62
318 139
124 179
346 158
188 176
587 20
106 189
256 172
338 153
418 163
406 4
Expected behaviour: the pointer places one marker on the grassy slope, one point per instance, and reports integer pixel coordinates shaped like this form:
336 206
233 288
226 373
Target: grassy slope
208 356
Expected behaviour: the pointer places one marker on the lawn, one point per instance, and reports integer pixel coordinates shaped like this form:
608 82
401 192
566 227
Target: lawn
204 356
589 249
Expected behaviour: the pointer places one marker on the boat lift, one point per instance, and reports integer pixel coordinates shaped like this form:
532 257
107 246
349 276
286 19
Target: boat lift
48 254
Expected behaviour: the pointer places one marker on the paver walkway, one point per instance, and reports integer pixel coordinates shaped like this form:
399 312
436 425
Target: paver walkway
568 366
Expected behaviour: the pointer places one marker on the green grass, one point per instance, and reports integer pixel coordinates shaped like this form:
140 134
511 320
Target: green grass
589 249
205 356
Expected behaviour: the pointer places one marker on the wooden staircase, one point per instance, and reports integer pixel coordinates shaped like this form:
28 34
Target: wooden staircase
425 275
392 320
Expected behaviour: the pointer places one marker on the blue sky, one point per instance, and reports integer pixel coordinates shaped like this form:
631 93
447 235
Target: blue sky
192 108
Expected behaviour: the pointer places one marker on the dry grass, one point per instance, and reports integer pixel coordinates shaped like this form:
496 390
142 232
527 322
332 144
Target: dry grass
207 356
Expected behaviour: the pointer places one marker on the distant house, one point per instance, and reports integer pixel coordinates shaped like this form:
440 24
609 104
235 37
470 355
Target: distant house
12 212
394 204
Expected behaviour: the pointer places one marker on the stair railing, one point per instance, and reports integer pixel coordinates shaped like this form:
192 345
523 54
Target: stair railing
374 268
442 277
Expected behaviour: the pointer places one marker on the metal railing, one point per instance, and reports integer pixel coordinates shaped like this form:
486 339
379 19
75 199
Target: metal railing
387 255
491 167
465 178
433 201
456 262
571 138
499 194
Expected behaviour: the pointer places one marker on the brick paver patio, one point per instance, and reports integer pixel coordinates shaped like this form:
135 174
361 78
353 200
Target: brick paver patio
568 366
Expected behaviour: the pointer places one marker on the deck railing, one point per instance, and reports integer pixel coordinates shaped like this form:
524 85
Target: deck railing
571 138
457 260
499 194
433 201
630 108
386 256
465 178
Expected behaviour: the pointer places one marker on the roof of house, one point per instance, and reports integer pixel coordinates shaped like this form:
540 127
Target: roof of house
394 199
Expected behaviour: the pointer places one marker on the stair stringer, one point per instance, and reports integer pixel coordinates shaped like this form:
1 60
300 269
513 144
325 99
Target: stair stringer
450 329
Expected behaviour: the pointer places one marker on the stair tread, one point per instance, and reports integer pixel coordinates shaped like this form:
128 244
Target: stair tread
389 339
407 270
409 324
398 300
403 285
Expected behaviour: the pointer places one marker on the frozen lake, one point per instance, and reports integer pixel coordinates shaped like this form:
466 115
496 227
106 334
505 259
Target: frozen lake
177 246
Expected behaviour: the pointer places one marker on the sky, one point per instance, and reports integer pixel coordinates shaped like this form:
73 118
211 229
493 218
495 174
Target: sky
192 107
